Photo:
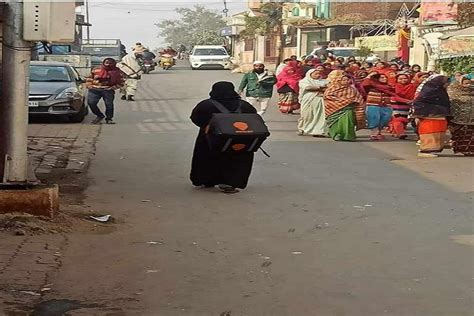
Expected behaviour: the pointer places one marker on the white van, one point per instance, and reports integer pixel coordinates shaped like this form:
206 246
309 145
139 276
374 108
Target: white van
209 56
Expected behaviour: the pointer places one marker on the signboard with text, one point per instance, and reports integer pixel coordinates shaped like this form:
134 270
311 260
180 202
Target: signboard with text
441 12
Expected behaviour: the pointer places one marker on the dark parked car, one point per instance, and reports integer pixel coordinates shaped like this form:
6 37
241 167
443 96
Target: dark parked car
56 89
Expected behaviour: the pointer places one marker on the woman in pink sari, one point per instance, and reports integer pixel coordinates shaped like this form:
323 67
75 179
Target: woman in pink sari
288 88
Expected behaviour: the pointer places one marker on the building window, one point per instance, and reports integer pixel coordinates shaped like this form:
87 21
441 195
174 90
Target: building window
268 48
249 44
295 11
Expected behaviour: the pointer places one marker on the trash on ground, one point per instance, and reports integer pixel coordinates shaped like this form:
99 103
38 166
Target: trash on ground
368 205
146 201
467 240
31 293
154 242
151 271
297 253
102 219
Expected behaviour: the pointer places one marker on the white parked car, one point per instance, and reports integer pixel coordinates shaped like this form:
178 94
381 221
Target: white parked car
209 56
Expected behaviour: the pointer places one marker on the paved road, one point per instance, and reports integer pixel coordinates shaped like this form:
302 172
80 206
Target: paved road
324 228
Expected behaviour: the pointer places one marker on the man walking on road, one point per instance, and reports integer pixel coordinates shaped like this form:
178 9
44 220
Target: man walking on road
259 86
102 84
132 70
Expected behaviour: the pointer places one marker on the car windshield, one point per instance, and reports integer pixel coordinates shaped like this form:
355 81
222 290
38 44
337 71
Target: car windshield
344 52
101 51
49 74
210 52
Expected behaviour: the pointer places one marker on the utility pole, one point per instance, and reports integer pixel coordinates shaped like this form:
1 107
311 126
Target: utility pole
14 105
226 11
88 20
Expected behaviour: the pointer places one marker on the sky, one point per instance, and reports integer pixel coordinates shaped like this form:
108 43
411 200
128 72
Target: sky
133 22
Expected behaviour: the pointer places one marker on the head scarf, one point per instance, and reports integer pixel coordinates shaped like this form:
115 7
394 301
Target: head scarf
324 71
111 74
290 76
406 91
335 76
308 81
338 96
417 78
431 98
223 90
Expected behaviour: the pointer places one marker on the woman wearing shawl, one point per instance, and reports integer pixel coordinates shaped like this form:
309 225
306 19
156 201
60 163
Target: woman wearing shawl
419 77
343 106
313 119
378 110
209 168
405 90
381 68
462 123
102 83
287 87
322 70
431 108
392 73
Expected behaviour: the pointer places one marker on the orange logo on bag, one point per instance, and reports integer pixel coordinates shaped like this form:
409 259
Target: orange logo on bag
238 147
241 126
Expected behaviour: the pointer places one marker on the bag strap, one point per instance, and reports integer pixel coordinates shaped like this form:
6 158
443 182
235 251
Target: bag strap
223 109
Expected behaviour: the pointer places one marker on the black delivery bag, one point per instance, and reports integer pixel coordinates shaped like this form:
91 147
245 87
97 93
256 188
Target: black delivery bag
235 131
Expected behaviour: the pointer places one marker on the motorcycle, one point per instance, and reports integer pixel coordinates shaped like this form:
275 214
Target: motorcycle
166 61
148 66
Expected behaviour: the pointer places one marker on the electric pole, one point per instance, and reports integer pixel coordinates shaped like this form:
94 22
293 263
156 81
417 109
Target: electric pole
88 20
226 11
14 102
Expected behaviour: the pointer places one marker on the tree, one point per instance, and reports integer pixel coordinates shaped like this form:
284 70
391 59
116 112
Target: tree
270 22
196 26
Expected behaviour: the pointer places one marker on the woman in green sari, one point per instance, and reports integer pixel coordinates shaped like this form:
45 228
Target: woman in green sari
344 107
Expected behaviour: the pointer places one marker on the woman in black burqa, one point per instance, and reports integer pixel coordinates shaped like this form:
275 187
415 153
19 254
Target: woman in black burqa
228 170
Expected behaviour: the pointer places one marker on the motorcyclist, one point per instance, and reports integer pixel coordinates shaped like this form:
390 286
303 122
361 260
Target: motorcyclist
147 55
168 51
149 59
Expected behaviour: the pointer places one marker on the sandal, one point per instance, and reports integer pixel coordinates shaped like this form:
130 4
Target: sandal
227 189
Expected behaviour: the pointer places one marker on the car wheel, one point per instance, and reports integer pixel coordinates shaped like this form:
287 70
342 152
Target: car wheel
79 117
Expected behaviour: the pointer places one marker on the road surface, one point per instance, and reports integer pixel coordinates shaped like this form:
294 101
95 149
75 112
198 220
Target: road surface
325 228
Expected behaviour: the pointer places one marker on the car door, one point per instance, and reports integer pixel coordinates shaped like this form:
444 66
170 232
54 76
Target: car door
81 87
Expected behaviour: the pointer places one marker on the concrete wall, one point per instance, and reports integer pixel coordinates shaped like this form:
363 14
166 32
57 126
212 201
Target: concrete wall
288 51
418 51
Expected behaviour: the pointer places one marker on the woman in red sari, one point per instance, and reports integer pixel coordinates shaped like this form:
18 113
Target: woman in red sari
404 89
288 88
